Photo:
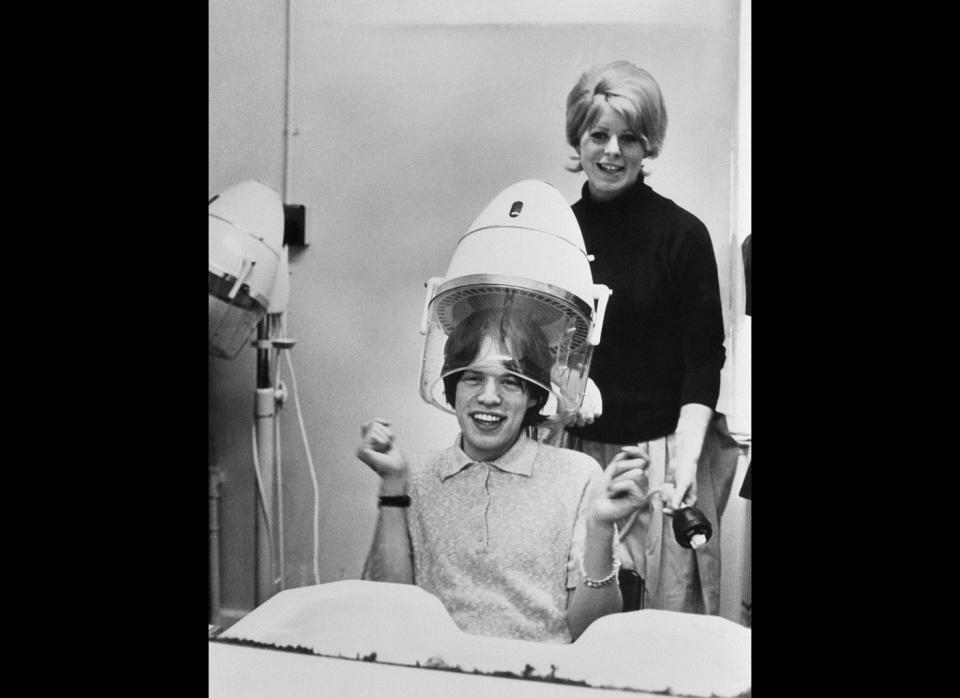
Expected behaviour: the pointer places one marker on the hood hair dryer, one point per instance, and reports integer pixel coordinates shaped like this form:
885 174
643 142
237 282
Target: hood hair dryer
523 263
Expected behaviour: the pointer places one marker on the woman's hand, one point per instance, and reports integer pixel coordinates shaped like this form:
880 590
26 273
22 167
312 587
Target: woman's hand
623 487
683 490
379 452
591 407
680 487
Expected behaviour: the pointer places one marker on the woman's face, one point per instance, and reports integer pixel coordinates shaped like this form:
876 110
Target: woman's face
611 155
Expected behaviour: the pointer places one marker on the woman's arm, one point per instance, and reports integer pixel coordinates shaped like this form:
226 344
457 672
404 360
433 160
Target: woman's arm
704 355
691 432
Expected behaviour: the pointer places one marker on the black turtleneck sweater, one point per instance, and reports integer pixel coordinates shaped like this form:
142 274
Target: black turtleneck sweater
662 341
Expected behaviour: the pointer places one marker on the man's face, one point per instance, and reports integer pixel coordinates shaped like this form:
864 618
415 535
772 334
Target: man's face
490 405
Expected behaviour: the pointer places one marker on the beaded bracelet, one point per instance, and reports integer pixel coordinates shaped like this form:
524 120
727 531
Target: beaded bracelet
595 583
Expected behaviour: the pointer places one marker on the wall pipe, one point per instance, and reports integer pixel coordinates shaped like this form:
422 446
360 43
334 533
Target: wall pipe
265 414
214 553
266 423
287 83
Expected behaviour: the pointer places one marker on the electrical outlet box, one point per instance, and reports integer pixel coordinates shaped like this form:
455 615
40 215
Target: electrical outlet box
295 225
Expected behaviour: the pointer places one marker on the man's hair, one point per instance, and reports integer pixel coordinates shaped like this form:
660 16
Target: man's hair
522 339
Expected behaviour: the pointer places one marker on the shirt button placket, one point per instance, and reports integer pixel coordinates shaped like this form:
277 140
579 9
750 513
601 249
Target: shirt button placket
483 538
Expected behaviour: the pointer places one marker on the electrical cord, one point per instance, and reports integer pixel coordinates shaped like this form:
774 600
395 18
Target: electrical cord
312 470
263 499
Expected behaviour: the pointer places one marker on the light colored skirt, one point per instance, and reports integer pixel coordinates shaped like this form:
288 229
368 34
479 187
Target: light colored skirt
675 578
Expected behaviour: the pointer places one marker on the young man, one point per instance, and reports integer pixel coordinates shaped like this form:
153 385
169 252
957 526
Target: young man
515 537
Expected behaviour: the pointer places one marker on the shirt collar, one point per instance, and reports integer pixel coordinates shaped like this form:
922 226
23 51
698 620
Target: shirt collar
518 460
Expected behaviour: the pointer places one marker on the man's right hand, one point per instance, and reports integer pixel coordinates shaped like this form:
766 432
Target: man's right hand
384 458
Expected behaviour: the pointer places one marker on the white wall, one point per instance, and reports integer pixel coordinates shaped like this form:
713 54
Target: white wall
410 117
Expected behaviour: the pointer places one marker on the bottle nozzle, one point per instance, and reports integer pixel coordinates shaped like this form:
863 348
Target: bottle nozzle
691 528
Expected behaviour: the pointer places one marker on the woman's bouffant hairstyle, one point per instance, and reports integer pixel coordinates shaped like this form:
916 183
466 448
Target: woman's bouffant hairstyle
522 339
633 94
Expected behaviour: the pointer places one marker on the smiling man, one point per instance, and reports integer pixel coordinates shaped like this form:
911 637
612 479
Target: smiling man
514 536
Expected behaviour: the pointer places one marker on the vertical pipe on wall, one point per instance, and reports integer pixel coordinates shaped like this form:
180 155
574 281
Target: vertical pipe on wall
285 197
214 552
287 83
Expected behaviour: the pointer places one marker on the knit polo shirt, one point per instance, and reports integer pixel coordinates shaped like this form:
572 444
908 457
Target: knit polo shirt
501 542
